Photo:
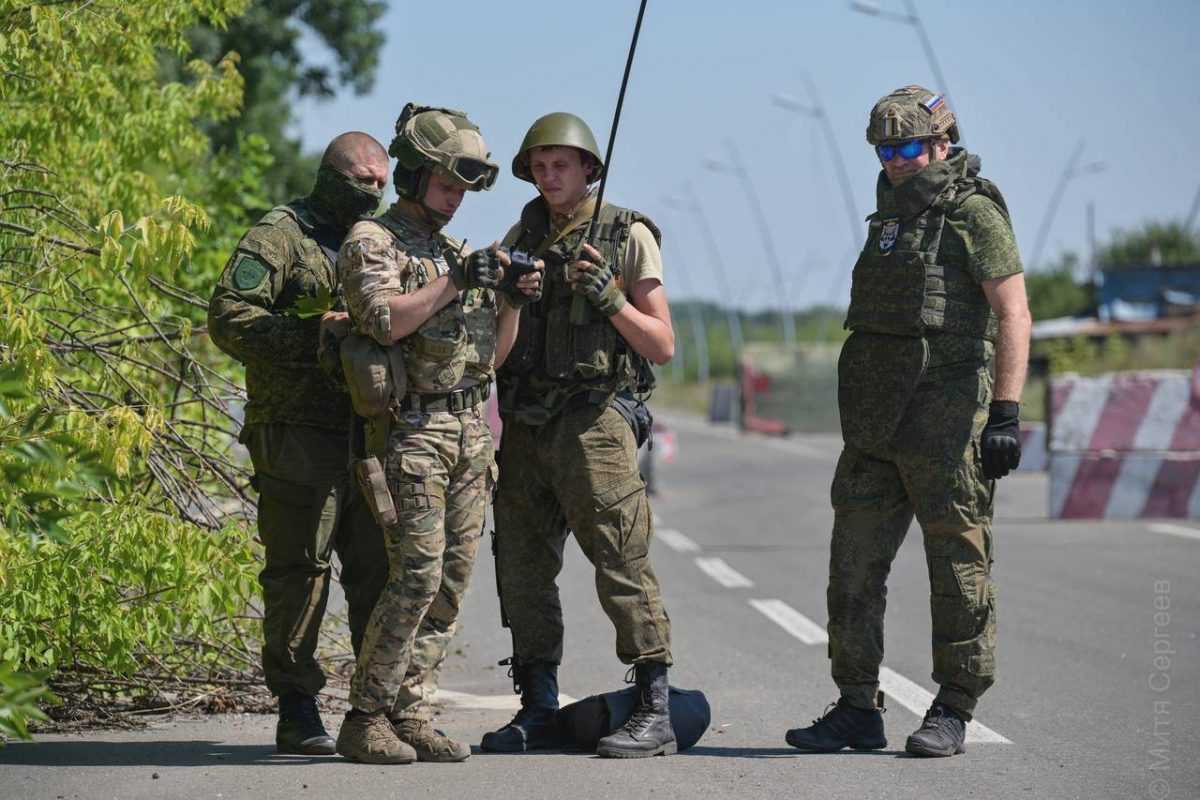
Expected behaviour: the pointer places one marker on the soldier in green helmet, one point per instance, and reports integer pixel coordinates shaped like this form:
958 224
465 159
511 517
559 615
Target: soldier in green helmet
938 295
569 456
296 427
438 318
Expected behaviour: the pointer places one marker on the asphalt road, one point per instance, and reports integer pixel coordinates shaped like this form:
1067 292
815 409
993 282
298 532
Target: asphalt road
1096 697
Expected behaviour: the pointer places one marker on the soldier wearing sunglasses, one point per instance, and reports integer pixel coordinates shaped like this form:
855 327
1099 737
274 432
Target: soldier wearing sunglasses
938 295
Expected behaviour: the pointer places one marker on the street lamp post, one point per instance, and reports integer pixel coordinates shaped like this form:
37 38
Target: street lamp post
699 329
817 111
733 318
1072 170
912 19
736 167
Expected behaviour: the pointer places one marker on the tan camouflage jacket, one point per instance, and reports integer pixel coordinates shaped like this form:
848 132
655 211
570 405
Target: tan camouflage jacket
398 254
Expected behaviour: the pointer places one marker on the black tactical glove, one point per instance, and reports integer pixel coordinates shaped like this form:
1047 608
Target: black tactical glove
520 264
479 270
1001 439
595 282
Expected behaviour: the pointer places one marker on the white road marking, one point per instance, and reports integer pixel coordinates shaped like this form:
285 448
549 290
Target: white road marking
489 702
917 700
1174 530
676 541
792 621
897 687
723 574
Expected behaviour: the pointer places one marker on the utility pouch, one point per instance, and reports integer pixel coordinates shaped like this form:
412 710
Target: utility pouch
373 483
372 374
637 414
877 378
578 352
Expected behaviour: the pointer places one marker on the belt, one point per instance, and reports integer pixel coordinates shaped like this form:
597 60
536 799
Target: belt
593 398
454 402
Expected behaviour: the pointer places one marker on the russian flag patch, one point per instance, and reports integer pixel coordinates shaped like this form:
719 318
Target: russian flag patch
934 103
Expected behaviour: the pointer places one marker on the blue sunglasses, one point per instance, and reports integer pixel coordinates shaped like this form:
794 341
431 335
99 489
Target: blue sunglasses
908 150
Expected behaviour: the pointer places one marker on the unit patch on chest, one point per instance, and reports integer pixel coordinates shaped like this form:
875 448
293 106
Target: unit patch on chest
888 233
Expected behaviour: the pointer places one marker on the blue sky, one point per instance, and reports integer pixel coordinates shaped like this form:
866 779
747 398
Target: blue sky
1028 80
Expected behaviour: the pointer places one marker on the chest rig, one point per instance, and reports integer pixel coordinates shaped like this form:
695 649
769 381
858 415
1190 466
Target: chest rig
457 342
553 359
902 285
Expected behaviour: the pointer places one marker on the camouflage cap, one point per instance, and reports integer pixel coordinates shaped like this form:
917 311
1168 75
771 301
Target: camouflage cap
558 129
912 112
441 137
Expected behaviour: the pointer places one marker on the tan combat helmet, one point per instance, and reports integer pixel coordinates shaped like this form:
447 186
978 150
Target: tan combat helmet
428 138
558 129
912 112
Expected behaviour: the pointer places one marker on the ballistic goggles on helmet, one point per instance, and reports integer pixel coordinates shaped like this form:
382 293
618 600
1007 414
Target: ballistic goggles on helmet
474 173
909 149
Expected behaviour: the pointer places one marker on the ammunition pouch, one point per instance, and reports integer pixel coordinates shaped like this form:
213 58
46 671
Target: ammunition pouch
372 481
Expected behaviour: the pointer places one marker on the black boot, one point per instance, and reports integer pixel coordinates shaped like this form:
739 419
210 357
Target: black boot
535 727
942 733
648 732
299 730
843 725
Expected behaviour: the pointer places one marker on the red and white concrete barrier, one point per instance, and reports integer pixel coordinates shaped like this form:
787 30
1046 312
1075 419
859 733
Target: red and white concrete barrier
1033 447
1125 446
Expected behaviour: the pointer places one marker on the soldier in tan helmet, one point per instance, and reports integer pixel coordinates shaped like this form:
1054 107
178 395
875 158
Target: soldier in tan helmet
569 455
437 320
937 295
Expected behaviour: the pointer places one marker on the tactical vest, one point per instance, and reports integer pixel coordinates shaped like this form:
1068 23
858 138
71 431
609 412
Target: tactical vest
901 287
459 340
553 359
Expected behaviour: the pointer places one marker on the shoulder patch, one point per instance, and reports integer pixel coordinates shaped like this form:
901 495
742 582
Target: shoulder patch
248 272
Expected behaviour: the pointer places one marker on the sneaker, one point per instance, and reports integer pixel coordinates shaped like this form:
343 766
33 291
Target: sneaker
842 725
942 733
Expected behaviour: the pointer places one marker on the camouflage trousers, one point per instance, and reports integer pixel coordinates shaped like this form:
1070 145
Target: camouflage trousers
440 469
930 466
308 507
577 471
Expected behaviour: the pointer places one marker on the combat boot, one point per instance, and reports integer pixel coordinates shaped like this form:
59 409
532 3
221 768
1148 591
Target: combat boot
942 733
535 726
299 729
842 725
648 731
370 739
430 744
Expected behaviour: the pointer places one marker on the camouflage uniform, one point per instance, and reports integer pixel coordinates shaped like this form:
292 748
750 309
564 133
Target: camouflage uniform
296 429
914 388
568 458
438 456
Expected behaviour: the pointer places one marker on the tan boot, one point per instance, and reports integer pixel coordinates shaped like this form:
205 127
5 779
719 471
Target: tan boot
369 738
430 744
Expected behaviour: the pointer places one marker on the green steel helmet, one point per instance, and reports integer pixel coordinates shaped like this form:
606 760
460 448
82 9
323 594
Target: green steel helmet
558 129
912 112
428 137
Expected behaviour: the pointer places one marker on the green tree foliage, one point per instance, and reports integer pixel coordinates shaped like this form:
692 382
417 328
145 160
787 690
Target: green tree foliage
1156 243
120 549
1055 293
274 40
